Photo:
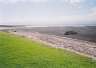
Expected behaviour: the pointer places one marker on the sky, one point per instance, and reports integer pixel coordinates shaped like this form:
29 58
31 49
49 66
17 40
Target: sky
48 12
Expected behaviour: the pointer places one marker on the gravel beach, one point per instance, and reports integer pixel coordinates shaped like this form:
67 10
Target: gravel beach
75 45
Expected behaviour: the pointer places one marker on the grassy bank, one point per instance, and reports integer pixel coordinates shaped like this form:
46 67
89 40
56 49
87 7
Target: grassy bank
19 52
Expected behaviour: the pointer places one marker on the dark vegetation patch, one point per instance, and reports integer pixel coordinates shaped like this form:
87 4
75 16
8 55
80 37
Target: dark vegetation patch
70 33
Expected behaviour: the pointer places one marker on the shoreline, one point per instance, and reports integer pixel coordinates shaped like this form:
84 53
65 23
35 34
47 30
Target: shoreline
81 47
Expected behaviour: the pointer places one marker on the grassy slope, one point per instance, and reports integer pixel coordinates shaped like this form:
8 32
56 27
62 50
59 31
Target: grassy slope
18 52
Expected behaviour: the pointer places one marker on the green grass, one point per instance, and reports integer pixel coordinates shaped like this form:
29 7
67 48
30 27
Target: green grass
19 52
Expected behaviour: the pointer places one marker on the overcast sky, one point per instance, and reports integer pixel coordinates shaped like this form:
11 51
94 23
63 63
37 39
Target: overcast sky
47 12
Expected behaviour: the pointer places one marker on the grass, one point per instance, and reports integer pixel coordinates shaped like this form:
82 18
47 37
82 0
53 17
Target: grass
20 52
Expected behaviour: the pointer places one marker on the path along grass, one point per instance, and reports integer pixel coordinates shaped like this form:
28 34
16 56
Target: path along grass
20 52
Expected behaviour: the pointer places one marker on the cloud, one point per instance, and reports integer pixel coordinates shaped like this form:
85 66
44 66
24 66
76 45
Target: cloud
15 1
92 12
66 1
73 1
75 15
39 0
89 17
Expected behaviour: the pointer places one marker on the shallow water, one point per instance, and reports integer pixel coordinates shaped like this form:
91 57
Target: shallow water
84 33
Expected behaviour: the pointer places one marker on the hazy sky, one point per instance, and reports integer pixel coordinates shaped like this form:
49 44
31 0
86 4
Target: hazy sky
47 12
